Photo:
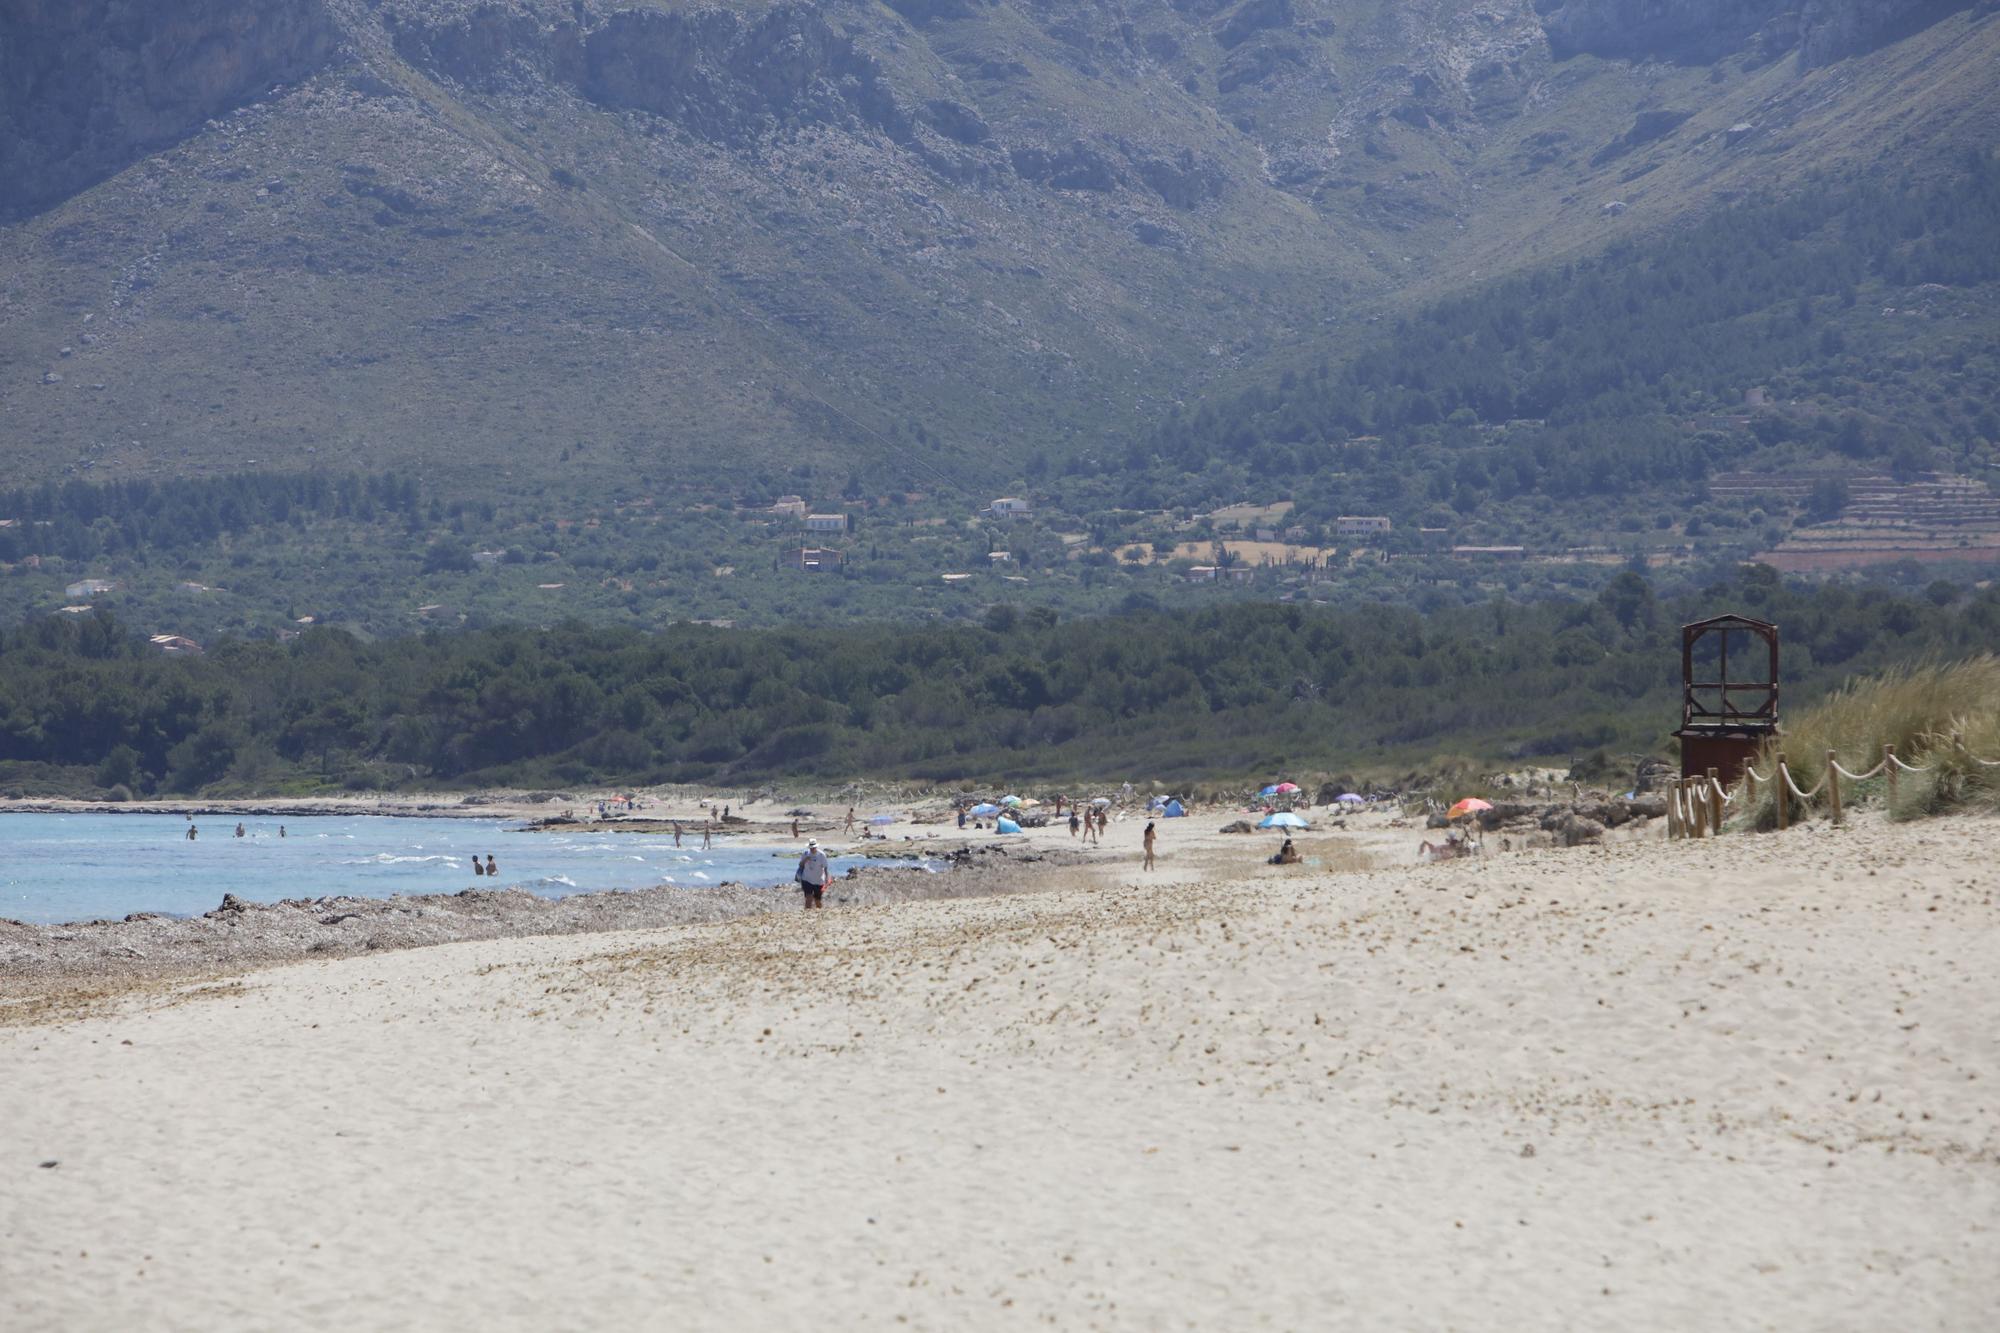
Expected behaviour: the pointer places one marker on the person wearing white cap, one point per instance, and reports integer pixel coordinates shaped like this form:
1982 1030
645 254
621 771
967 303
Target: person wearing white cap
813 873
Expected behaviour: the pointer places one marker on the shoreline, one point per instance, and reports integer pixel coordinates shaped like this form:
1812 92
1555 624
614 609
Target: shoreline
239 935
243 934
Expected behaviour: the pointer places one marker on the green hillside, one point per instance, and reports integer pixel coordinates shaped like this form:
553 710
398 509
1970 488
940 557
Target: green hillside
1848 324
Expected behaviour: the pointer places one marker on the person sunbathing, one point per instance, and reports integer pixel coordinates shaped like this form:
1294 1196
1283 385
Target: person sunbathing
1451 848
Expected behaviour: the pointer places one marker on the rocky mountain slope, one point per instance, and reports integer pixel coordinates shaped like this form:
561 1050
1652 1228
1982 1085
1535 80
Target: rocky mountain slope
917 243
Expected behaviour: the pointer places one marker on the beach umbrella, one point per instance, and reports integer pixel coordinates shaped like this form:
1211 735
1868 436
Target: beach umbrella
1350 798
882 819
1010 800
1284 819
1471 805
1287 787
1030 803
985 808
1271 790
1101 802
1006 825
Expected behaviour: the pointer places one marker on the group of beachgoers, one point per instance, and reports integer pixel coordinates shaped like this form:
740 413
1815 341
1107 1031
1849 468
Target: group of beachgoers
194 830
482 869
1090 823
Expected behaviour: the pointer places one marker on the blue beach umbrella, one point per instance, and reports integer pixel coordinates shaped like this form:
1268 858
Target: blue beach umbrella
1349 798
1284 819
985 808
1271 790
882 819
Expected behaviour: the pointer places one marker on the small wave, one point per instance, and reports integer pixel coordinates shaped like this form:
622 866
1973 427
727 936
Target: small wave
562 880
701 874
391 859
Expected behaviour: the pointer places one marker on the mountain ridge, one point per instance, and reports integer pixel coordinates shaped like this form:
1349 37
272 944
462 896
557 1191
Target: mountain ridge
890 244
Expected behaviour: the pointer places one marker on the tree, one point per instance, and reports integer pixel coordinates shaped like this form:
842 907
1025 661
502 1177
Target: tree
1828 497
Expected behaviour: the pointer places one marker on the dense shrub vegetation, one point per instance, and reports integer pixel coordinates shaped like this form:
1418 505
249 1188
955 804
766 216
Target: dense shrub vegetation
1943 718
1594 378
81 520
1251 688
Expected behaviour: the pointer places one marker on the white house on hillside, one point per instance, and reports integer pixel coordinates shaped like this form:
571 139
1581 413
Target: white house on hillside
1008 506
826 522
1353 525
815 559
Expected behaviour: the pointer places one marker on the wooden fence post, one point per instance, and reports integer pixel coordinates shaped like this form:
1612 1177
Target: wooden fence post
1673 809
1833 783
1782 781
1714 791
1889 763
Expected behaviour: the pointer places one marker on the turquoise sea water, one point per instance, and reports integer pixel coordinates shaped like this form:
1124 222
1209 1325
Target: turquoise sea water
82 867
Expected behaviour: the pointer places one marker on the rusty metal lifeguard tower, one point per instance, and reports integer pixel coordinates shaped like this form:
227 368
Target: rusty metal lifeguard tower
1724 717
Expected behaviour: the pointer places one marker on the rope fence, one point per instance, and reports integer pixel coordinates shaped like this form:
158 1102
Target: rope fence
1697 806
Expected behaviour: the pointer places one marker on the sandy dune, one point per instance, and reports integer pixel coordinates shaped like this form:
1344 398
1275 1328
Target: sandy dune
1748 1083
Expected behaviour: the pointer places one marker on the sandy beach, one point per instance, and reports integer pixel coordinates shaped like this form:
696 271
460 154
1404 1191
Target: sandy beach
1751 1082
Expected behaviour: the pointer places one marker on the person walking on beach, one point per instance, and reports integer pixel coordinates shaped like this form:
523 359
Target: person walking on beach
847 827
812 875
795 830
1074 822
1149 844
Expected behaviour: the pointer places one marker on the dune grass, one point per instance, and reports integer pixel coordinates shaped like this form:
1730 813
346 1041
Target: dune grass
1942 719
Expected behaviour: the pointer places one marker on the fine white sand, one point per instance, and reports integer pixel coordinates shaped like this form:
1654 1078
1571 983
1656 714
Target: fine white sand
1745 1083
